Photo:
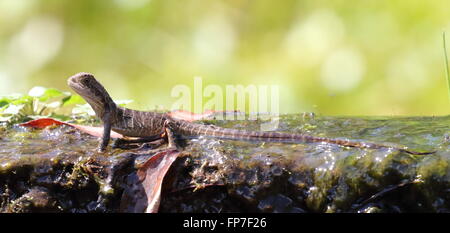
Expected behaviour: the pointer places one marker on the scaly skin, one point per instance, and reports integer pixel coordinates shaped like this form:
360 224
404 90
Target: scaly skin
152 125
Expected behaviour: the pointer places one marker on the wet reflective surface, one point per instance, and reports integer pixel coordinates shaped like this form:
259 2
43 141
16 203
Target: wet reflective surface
60 170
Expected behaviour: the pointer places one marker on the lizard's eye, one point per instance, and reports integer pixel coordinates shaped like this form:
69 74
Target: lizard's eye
85 81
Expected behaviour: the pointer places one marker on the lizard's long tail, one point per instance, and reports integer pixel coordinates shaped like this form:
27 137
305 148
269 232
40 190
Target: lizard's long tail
236 134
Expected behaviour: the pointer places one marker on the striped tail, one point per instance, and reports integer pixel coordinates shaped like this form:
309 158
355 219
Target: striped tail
193 130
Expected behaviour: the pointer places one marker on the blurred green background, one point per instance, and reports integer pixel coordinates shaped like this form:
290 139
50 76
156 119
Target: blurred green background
361 57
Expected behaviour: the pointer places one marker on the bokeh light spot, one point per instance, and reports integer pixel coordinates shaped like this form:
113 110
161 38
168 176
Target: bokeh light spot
214 40
38 42
343 70
311 38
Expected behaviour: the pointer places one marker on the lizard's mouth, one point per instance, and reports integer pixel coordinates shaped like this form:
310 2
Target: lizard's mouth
80 81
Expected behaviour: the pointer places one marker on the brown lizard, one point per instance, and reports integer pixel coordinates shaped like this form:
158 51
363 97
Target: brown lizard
148 126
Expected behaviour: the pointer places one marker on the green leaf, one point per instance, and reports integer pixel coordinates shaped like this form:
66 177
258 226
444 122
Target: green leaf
7 99
83 109
13 109
22 100
5 118
55 104
43 94
4 102
73 99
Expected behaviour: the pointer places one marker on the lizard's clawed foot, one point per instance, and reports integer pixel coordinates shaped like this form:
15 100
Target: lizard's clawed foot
101 149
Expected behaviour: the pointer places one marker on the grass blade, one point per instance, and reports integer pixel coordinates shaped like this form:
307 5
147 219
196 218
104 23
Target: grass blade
446 65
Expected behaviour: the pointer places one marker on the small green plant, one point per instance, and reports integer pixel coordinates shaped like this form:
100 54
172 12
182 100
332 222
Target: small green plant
39 102
45 102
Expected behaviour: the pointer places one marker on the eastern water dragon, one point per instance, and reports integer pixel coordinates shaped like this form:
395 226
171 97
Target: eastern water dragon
152 125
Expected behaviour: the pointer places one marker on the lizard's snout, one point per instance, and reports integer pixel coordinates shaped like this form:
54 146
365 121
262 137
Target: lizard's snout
79 78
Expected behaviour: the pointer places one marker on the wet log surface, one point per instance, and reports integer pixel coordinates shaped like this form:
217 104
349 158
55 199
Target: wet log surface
57 169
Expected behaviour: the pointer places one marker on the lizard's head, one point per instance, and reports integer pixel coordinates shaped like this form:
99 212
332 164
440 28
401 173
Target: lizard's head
92 91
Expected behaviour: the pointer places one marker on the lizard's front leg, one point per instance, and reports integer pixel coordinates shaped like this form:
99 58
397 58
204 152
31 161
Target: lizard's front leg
106 132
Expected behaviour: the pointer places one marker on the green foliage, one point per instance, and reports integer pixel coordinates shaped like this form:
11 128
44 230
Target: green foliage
72 99
39 102
45 102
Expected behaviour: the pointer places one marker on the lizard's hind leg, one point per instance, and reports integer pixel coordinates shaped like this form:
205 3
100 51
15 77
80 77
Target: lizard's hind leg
166 136
170 139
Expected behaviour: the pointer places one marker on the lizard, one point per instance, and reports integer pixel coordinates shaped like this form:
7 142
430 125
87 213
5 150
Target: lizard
149 126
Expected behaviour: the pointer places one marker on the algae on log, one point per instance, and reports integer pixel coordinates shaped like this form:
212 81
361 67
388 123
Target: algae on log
58 170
